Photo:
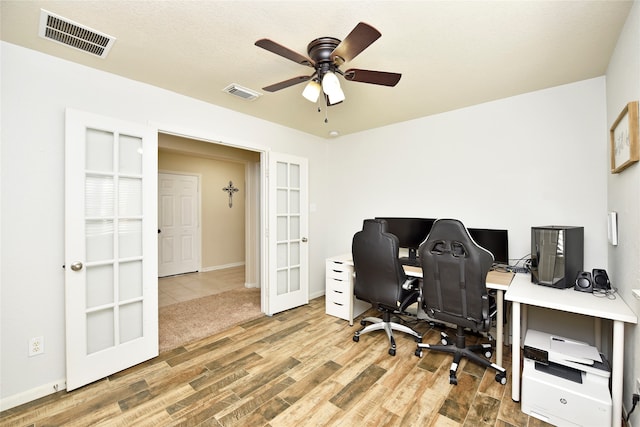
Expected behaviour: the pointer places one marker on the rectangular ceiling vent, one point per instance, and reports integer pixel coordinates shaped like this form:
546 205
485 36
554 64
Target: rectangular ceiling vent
67 32
242 92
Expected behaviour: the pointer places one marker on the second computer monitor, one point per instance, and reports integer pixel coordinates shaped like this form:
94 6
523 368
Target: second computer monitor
409 231
495 241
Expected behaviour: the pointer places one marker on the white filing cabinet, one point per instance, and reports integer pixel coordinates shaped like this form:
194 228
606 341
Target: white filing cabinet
340 301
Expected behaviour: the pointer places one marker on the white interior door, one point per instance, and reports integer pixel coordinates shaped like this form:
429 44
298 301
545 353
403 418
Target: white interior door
288 284
178 224
111 256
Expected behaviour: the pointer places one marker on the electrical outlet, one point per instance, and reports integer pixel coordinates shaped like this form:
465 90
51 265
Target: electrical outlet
36 346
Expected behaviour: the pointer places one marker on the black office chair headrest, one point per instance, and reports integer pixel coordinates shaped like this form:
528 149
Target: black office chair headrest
374 225
451 236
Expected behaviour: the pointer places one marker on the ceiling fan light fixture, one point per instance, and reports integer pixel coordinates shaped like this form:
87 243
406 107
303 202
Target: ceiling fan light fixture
336 97
331 87
330 83
312 91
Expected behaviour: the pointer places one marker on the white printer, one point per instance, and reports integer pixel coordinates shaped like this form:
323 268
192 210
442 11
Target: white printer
565 382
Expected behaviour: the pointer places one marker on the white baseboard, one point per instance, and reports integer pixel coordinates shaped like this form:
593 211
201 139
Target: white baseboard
222 267
316 294
251 285
31 395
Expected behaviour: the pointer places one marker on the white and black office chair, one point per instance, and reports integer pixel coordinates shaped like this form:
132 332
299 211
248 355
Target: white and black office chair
454 291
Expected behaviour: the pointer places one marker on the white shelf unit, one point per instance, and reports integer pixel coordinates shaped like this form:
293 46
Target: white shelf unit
340 300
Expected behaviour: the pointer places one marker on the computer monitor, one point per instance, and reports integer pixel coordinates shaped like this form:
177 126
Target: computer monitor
410 232
493 240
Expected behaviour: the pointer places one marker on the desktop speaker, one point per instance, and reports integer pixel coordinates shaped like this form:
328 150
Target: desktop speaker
584 282
601 279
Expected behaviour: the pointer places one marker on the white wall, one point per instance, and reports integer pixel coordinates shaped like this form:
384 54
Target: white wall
36 89
623 86
534 159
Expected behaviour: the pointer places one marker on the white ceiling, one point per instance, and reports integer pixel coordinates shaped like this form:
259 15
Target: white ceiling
451 54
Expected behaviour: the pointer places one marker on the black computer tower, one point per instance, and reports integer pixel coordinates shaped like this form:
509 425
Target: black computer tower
557 254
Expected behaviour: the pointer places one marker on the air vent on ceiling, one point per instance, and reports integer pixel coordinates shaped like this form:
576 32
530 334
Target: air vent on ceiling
241 92
65 31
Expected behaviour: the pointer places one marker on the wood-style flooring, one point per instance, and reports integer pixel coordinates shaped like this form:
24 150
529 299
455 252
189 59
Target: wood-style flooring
297 368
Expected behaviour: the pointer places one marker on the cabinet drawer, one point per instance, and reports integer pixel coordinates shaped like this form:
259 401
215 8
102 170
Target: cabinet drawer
338 285
337 309
339 271
338 294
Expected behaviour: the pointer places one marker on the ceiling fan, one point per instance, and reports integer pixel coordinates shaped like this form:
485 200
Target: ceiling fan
326 55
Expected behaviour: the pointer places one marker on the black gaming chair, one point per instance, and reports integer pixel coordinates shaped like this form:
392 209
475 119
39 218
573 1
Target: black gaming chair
380 280
454 291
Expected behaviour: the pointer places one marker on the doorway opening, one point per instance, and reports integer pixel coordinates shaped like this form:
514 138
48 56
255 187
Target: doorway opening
228 222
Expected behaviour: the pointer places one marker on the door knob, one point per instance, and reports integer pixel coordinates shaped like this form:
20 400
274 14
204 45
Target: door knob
76 266
304 240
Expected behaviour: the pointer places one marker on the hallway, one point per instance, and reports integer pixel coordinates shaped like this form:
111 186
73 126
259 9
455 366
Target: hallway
185 287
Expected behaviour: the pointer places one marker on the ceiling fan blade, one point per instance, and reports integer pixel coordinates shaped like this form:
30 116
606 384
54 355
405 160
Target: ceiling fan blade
358 40
278 49
285 84
375 77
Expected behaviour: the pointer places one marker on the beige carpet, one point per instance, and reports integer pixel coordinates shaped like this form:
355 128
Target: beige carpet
192 320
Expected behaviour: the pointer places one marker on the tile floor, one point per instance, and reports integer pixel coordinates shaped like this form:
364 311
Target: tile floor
184 287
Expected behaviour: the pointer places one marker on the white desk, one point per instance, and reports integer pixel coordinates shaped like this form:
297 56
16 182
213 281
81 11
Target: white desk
495 280
522 291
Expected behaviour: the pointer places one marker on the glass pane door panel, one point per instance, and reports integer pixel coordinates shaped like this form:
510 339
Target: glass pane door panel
131 315
294 279
294 201
99 285
294 176
294 229
294 258
283 202
282 175
99 151
130 280
99 240
130 197
282 228
99 196
282 255
130 238
130 155
100 330
283 287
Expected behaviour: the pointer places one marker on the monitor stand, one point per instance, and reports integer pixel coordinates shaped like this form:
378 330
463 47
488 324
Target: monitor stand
412 259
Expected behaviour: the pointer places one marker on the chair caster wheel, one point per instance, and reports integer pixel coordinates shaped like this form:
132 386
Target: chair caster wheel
356 338
501 378
444 338
392 351
418 339
362 322
418 353
453 380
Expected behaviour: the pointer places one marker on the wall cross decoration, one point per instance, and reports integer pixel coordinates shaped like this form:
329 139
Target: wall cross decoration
230 189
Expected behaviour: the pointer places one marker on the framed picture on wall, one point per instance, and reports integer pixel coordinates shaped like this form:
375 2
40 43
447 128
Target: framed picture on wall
624 138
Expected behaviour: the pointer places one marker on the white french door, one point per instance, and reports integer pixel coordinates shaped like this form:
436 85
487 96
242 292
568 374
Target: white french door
111 254
178 224
288 230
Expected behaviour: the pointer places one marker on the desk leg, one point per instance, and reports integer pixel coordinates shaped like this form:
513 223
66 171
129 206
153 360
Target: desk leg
616 372
515 352
499 326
